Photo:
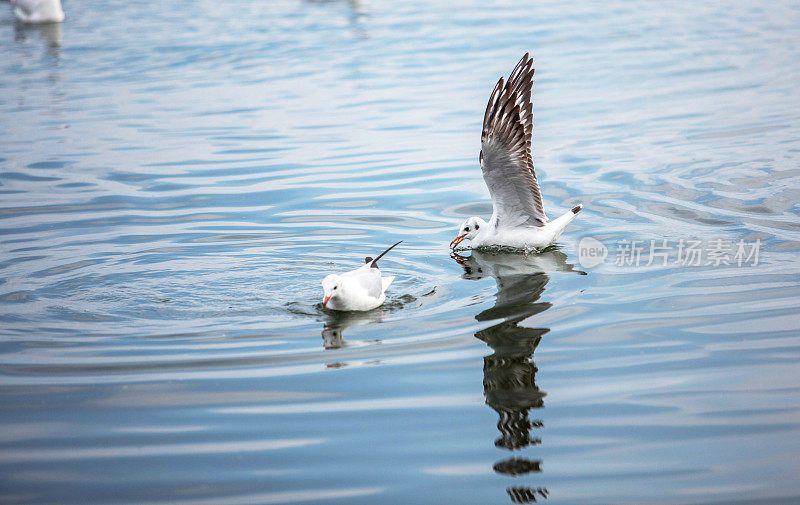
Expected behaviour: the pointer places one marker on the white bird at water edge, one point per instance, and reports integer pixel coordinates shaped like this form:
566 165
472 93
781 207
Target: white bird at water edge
359 289
518 220
38 11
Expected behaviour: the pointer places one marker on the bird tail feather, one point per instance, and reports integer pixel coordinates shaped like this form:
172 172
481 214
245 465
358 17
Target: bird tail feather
561 222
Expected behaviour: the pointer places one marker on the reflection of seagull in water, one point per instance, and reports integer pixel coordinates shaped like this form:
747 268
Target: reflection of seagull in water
520 279
509 383
518 219
509 373
51 32
332 332
38 11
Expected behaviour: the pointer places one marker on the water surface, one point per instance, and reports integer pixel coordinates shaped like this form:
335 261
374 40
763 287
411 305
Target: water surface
176 181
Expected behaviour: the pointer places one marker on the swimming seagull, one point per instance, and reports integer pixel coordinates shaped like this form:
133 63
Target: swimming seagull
518 219
38 11
359 289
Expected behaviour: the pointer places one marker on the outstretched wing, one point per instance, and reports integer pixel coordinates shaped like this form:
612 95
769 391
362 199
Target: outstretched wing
506 151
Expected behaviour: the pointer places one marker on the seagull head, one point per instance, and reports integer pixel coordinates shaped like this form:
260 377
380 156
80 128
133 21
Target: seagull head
332 288
469 230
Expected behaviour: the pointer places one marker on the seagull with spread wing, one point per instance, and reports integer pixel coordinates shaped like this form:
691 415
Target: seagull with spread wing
518 220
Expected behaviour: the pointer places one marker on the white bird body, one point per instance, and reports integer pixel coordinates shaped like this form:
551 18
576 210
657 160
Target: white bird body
38 11
361 289
529 238
518 219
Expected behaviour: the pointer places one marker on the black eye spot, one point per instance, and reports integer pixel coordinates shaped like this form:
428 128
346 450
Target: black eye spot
466 229
335 287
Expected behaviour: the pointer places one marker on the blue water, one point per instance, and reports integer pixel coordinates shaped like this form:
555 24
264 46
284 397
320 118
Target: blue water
176 179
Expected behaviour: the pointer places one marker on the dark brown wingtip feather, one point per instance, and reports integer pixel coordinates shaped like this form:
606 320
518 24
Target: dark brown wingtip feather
577 208
375 261
517 90
490 106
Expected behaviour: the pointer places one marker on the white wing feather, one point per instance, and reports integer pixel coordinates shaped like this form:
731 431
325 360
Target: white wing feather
505 157
369 279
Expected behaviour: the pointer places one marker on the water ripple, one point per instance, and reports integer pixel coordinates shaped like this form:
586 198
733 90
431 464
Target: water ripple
174 189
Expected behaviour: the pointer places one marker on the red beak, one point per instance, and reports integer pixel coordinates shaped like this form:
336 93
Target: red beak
457 241
325 301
